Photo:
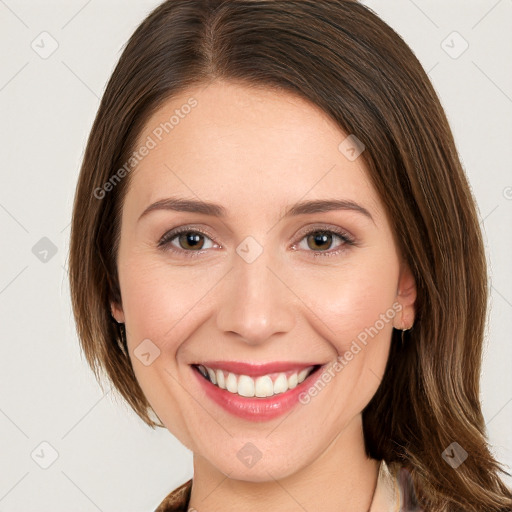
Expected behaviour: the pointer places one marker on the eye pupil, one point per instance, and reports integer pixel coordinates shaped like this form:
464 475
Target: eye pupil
192 239
320 238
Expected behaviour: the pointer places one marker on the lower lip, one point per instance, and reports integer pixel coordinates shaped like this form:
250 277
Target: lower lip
257 409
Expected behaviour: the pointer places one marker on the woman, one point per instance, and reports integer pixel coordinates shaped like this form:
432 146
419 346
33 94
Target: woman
269 253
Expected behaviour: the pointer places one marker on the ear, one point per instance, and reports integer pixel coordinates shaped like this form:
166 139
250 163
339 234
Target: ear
117 312
406 297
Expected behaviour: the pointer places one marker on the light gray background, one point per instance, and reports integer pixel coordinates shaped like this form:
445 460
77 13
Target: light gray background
108 460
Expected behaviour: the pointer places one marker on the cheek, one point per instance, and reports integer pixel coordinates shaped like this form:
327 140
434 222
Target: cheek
157 307
158 301
355 306
353 297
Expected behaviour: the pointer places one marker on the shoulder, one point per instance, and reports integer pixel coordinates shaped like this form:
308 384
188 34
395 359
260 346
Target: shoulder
177 500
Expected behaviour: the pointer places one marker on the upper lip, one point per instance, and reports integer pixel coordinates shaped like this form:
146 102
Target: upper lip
256 369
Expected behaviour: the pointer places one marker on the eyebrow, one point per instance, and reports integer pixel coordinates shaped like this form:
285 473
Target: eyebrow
216 210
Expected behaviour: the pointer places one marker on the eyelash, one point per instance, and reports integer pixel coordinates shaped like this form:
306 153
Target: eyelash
165 242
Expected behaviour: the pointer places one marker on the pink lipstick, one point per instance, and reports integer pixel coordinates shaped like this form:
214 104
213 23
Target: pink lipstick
256 392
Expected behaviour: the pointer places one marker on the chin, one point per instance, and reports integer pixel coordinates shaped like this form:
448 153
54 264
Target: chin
249 461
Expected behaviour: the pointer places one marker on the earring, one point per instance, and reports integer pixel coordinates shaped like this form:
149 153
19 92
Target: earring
402 337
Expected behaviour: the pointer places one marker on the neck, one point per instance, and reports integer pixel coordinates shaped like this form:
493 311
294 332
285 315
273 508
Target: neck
340 478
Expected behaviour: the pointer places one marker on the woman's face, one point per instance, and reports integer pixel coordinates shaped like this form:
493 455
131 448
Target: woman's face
271 280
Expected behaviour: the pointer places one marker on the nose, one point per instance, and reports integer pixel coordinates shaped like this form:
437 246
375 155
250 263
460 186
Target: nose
255 302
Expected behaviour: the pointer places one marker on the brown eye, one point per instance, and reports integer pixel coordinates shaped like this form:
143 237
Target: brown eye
191 240
185 241
319 240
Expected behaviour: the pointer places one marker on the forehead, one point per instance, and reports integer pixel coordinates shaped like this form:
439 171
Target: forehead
244 145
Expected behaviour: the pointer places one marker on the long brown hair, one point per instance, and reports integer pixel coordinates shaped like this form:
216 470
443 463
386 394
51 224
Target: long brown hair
341 57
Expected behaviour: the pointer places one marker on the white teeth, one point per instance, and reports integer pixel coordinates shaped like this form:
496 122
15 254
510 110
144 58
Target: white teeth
281 384
302 375
231 384
220 379
293 380
211 373
245 385
261 387
264 387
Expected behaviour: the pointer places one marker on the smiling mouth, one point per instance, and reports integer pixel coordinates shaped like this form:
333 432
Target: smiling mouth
264 386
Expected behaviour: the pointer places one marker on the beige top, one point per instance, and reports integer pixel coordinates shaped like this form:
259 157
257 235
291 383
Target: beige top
389 495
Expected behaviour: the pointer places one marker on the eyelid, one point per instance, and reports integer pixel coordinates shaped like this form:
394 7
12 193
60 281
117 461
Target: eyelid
172 233
325 227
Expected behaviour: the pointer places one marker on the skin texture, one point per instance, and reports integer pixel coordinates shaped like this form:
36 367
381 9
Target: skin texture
257 152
